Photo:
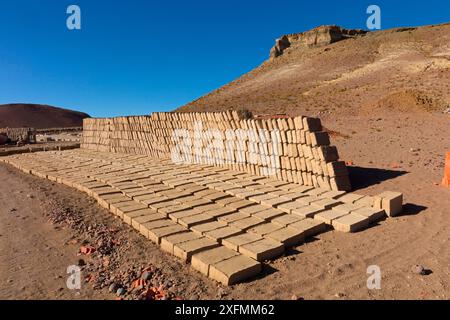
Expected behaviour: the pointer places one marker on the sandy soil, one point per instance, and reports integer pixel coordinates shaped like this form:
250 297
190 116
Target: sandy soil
35 253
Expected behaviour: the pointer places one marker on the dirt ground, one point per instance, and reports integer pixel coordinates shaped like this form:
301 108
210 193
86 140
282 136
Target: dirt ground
44 224
389 151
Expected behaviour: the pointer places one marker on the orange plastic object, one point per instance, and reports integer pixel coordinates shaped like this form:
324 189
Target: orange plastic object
446 180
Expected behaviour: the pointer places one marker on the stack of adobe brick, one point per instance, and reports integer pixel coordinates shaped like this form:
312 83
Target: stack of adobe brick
96 134
292 149
27 135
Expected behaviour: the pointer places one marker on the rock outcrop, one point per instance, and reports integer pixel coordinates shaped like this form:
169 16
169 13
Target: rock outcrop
319 36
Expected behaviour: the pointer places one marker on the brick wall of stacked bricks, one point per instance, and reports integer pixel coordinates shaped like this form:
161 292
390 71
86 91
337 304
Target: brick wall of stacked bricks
20 134
300 151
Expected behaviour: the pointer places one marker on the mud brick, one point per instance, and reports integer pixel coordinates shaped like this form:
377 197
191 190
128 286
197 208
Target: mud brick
145 227
333 194
293 195
95 184
232 217
234 270
132 190
245 194
289 206
215 196
309 227
207 207
328 216
157 234
168 242
312 124
224 187
227 201
319 138
139 221
269 214
262 197
174 183
337 169
191 221
350 197
372 213
262 250
145 182
142 192
367 201
153 201
217 212
316 192
300 189
340 183
235 241
129 216
213 184
275 201
327 153
104 191
262 189
239 204
286 219
351 223
175 194
325 204
182 214
389 201
246 223
287 236
235 190
265 228
203 260
185 250
195 203
306 201
347 207
160 205
205 192
173 209
114 207
251 210
276 183
106 200
209 226
192 188
221 233
246 183
146 197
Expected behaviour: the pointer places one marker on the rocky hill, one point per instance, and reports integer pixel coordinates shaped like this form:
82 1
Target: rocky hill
332 70
39 116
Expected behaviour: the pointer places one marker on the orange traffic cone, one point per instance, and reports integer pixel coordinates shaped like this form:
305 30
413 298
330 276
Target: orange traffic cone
446 180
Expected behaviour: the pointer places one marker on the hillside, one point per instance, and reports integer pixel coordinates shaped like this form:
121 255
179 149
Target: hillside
330 70
39 116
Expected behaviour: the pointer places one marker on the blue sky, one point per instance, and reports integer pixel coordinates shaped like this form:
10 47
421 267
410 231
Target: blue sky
136 56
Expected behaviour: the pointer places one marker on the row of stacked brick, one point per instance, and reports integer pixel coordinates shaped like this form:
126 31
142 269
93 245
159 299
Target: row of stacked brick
96 134
292 149
27 135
